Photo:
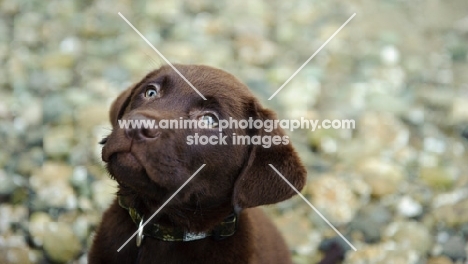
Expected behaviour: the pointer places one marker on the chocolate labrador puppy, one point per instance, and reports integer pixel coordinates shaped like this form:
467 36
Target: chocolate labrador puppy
212 219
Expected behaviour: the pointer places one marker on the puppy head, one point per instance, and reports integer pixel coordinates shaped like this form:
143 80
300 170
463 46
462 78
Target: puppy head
155 162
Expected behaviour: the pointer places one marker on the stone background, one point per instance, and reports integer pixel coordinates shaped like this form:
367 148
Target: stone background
396 186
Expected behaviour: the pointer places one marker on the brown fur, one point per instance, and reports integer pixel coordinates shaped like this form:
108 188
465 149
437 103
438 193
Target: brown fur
150 165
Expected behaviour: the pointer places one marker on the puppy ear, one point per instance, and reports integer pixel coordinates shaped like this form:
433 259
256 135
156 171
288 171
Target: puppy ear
258 183
119 105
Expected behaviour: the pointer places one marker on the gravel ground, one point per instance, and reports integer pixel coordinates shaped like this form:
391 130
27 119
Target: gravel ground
396 186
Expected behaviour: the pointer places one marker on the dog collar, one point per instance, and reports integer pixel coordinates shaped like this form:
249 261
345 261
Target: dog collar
223 230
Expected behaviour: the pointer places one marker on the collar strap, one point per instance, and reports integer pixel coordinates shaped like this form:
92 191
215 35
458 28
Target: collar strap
224 229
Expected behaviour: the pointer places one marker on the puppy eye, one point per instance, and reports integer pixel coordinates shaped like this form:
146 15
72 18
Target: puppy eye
208 120
152 90
103 141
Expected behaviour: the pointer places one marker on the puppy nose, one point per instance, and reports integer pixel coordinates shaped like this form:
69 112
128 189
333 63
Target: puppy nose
139 128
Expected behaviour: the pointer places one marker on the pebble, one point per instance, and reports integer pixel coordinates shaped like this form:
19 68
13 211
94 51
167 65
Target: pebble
77 97
390 55
58 195
11 214
58 61
381 130
382 253
437 177
10 7
454 214
293 229
71 45
52 187
460 110
8 185
38 222
90 117
383 177
57 110
30 162
464 230
455 248
85 204
256 50
298 105
60 243
13 249
32 114
327 141
370 222
81 227
333 197
411 235
103 192
81 181
27 28
439 260
58 141
409 207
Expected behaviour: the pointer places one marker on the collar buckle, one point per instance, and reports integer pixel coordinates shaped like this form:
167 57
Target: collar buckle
140 236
